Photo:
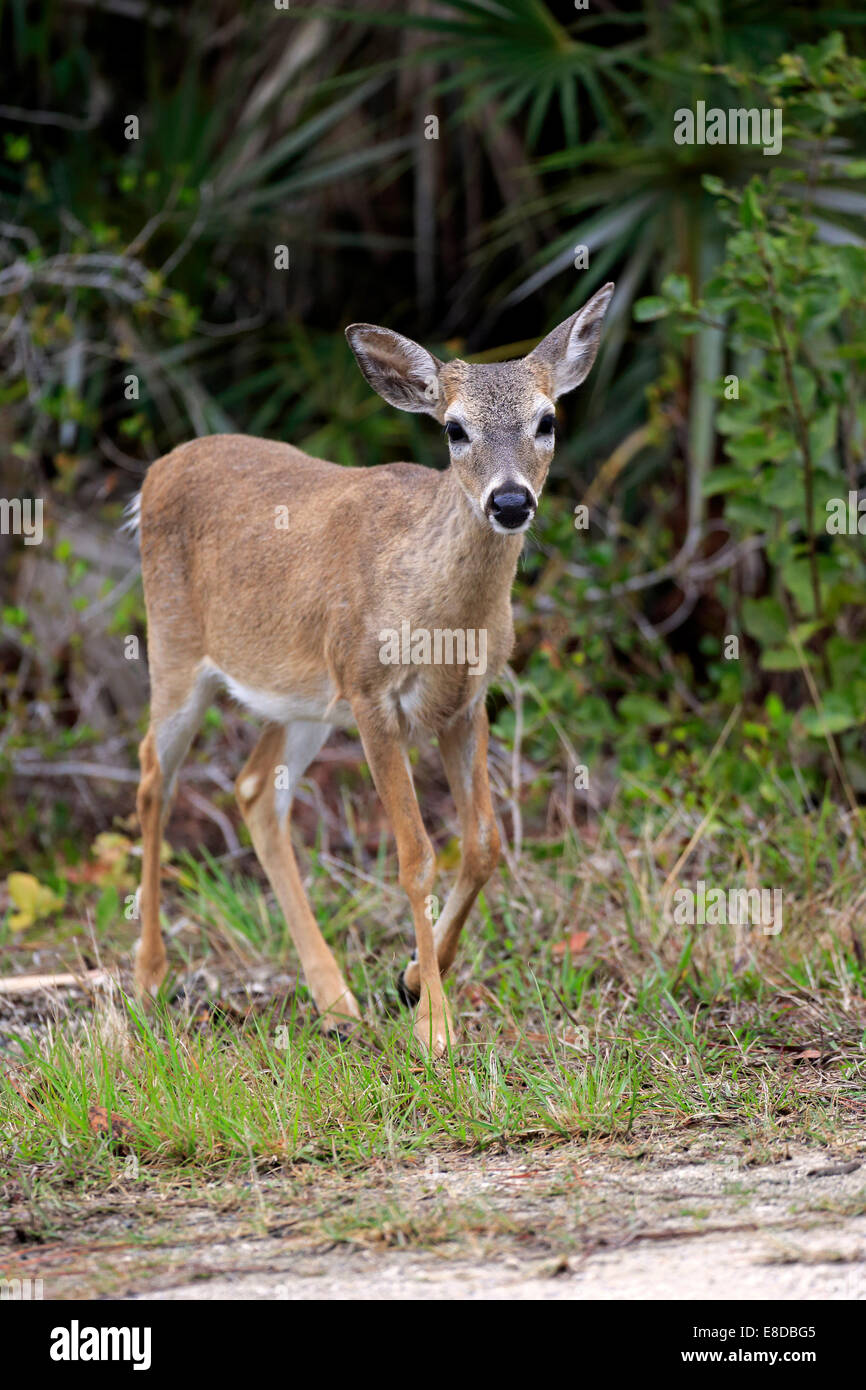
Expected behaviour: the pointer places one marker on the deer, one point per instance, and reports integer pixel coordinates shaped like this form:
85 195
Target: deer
276 576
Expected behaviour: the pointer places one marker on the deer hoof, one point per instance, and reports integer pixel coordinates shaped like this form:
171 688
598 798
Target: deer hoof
341 1033
340 1020
433 1041
404 993
149 973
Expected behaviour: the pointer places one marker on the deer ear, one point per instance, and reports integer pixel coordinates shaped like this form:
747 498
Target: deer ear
401 372
569 351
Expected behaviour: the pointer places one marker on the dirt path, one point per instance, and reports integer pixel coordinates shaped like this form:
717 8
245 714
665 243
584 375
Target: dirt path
698 1230
563 1224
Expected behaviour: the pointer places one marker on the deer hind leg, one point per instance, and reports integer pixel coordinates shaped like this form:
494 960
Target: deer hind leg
265 799
386 756
464 755
177 707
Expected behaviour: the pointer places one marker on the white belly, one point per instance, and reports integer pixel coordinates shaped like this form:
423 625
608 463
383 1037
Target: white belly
285 708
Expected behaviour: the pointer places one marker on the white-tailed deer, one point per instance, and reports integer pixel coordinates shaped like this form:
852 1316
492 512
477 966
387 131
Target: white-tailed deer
316 594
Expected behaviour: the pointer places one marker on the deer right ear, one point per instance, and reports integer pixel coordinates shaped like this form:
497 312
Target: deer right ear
569 351
400 371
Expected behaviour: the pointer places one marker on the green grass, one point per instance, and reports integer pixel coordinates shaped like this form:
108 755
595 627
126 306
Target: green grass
649 1029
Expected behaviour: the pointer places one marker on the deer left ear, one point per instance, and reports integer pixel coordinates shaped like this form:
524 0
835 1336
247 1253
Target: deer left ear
569 351
402 372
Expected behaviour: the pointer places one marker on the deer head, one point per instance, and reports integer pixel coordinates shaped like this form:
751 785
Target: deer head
499 417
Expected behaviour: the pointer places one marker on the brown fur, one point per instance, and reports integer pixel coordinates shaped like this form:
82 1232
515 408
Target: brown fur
399 537
295 616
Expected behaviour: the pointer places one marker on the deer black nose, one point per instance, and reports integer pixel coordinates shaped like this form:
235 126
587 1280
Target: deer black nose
511 506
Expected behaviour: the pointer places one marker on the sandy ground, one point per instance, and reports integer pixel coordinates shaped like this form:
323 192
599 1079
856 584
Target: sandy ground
706 1223
690 1231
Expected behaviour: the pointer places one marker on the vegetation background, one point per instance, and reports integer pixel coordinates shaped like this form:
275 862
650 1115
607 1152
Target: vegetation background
308 127
687 695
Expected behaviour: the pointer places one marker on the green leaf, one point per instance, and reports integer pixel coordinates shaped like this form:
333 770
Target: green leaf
780 659
751 212
650 308
713 185
765 620
834 717
642 710
677 287
724 480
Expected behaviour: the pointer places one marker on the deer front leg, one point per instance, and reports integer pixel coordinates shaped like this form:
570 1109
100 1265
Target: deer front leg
464 755
386 755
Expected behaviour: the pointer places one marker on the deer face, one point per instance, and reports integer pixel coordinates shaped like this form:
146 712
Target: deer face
500 424
500 418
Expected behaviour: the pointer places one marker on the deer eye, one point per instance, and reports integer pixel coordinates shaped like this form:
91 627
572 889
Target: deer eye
455 432
546 424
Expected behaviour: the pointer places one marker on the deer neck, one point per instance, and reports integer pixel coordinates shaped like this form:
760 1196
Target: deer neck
479 562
